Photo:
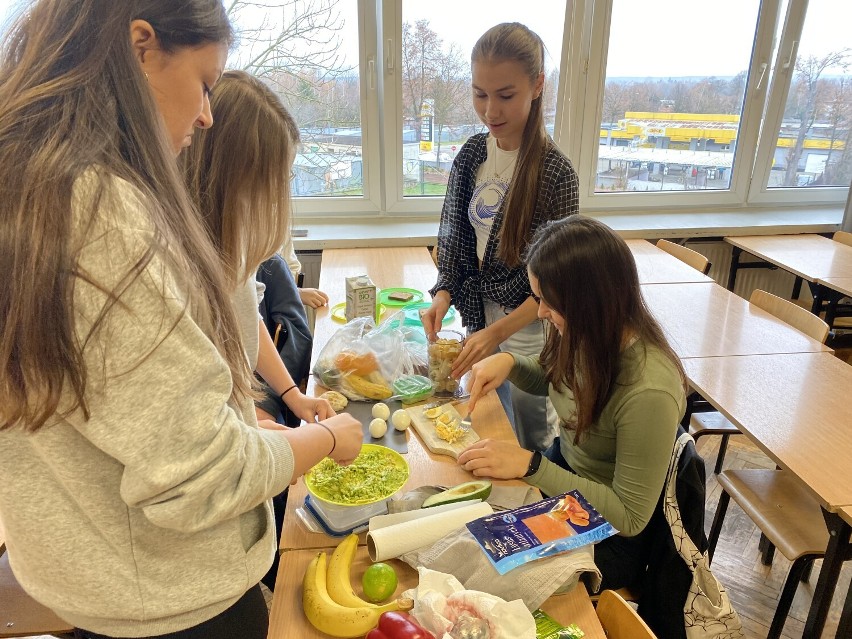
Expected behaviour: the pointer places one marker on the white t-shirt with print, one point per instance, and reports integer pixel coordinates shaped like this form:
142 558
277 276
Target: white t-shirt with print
493 178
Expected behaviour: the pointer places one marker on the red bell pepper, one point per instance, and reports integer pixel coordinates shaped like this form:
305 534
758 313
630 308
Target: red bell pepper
398 625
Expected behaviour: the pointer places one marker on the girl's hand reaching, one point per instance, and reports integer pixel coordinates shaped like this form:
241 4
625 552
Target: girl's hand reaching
308 409
434 315
313 297
496 459
487 375
348 437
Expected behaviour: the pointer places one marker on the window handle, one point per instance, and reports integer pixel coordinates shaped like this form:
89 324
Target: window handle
792 55
389 61
763 67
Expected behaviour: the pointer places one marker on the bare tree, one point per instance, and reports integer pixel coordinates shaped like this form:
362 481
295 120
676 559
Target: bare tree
806 103
450 88
295 45
421 64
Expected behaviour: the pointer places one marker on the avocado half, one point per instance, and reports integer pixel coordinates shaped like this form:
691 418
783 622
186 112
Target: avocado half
478 489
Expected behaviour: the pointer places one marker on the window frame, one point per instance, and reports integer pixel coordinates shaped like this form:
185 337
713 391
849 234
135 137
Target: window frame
582 76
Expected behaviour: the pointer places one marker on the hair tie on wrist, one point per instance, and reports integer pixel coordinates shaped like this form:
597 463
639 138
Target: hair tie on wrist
333 438
287 391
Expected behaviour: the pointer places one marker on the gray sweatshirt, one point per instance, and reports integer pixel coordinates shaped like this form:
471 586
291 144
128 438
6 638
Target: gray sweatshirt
153 515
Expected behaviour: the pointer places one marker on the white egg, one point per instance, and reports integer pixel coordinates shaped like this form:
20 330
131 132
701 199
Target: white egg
401 419
378 428
381 410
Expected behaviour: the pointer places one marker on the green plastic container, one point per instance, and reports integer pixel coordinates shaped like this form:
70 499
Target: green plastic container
412 388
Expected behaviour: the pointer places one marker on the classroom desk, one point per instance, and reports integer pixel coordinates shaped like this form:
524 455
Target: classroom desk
655 266
287 620
792 406
808 257
710 321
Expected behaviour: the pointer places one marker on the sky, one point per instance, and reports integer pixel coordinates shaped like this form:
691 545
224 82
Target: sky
648 38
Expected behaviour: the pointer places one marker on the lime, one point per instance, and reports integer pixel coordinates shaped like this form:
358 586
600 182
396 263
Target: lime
379 582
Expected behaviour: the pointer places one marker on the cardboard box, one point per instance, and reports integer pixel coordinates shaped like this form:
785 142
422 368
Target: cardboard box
360 297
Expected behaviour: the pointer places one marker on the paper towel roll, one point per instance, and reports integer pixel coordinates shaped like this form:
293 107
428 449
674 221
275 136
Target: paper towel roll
398 539
383 521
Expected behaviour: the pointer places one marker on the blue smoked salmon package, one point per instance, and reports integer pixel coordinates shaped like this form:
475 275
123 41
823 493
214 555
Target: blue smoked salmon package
514 537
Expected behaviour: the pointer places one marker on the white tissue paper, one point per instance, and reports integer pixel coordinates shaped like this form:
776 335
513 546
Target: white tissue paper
440 599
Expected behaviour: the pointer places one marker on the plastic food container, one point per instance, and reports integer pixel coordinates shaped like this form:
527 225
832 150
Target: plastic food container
413 388
443 351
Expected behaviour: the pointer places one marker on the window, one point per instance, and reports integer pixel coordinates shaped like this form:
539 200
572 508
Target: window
673 97
660 104
810 142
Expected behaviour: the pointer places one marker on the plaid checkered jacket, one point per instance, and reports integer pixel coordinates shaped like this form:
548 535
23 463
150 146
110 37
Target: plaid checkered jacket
458 268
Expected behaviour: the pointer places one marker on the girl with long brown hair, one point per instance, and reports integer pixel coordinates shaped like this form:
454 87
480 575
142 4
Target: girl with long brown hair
616 384
504 184
134 482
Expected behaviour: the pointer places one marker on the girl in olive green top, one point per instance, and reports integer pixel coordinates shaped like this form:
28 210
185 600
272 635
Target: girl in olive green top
616 384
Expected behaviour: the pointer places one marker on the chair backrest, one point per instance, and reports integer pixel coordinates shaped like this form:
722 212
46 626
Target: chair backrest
686 255
844 237
619 620
796 316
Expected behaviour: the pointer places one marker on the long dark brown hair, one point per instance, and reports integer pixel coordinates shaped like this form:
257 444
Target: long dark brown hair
238 173
587 274
73 98
514 42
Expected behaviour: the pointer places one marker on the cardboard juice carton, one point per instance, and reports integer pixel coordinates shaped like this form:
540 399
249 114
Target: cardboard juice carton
360 297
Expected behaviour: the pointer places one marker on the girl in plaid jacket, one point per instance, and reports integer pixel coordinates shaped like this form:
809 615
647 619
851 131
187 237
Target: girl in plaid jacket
504 184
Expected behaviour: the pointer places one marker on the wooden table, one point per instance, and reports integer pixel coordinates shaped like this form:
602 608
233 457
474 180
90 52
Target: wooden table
808 257
287 620
792 406
710 321
655 266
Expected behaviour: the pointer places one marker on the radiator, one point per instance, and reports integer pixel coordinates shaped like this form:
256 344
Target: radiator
311 263
775 281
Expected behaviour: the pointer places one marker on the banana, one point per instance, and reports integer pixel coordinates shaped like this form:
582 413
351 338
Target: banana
338 580
328 616
325 614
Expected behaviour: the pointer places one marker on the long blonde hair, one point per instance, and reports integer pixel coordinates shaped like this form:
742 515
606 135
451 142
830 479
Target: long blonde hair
514 42
238 173
73 97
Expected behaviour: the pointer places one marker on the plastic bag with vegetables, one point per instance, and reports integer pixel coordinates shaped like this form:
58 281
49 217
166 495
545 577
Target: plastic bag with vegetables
363 361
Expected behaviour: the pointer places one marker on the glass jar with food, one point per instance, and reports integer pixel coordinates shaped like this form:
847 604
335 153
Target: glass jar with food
443 351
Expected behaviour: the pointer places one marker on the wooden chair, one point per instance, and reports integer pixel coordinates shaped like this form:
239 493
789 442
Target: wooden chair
20 614
844 237
786 514
713 423
619 620
686 255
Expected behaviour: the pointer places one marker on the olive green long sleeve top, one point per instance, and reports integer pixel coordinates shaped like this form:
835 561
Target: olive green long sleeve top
621 464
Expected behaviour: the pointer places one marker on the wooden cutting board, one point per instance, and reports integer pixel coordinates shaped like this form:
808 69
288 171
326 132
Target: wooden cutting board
425 428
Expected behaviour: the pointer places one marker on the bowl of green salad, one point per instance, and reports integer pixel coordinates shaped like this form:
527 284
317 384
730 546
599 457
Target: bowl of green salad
376 474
